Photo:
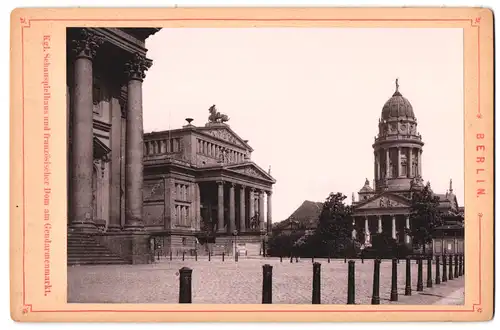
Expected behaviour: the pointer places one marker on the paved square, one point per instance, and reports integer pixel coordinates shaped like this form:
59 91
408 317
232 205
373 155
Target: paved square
228 282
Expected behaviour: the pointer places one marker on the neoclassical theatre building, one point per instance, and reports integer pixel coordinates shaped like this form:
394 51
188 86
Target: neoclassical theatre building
385 206
185 186
202 190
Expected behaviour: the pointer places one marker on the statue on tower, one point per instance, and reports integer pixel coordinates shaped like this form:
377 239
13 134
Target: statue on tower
216 116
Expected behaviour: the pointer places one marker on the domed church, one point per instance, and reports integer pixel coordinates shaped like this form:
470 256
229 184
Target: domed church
385 206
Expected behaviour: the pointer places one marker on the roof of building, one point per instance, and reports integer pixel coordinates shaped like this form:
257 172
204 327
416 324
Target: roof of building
397 106
366 188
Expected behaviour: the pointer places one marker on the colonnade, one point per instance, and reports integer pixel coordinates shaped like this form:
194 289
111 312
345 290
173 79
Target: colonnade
379 228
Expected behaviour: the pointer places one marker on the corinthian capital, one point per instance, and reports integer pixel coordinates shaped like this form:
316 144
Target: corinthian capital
137 67
85 43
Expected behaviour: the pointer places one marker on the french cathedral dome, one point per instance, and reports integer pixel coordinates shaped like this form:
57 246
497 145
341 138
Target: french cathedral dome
397 106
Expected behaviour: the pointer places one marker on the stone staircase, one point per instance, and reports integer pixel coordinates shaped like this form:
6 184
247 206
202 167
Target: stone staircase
83 249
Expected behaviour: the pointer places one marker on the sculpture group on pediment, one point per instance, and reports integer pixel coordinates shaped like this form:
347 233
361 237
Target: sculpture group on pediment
386 202
225 135
216 116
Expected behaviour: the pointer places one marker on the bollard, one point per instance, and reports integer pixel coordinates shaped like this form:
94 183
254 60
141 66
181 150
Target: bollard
222 256
176 253
345 260
420 283
281 258
316 294
362 260
376 282
312 260
291 259
209 254
328 258
429 272
438 276
350 283
445 277
450 271
236 257
170 255
296 259
267 284
195 255
394 281
408 277
460 265
463 264
456 267
185 275
158 255
183 253
398 261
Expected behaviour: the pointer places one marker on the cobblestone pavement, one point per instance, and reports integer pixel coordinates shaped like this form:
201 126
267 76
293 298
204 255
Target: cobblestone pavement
241 283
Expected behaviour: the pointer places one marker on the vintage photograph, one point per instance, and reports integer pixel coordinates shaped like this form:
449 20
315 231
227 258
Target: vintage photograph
265 165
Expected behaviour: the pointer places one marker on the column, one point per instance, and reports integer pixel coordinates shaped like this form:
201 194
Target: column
375 173
387 163
408 163
251 206
407 227
197 213
377 159
354 233
232 209
419 162
242 209
85 46
114 194
394 226
269 212
399 163
367 231
220 206
135 69
261 211
379 224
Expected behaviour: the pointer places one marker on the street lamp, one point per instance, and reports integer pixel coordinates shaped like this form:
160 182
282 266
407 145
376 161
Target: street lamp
235 234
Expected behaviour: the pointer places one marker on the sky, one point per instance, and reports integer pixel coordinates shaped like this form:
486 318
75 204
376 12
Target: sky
309 100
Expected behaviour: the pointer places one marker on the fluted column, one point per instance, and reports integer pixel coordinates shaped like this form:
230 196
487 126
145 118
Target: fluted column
269 211
85 46
261 211
251 205
242 209
377 160
400 170
387 163
197 212
220 206
136 72
232 209
407 227
394 226
379 227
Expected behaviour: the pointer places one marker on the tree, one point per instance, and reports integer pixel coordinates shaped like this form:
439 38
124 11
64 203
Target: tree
335 223
424 216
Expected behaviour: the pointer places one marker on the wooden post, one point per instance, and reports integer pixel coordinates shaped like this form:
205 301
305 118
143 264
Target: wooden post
445 276
450 271
456 267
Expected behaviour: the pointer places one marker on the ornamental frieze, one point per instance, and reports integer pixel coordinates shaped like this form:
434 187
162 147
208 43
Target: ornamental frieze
251 172
225 135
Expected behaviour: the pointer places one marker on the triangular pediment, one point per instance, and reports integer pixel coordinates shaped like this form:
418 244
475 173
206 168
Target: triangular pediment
225 133
252 170
385 200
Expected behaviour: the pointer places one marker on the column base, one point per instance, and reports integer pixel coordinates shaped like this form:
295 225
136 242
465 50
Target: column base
83 227
114 228
134 226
